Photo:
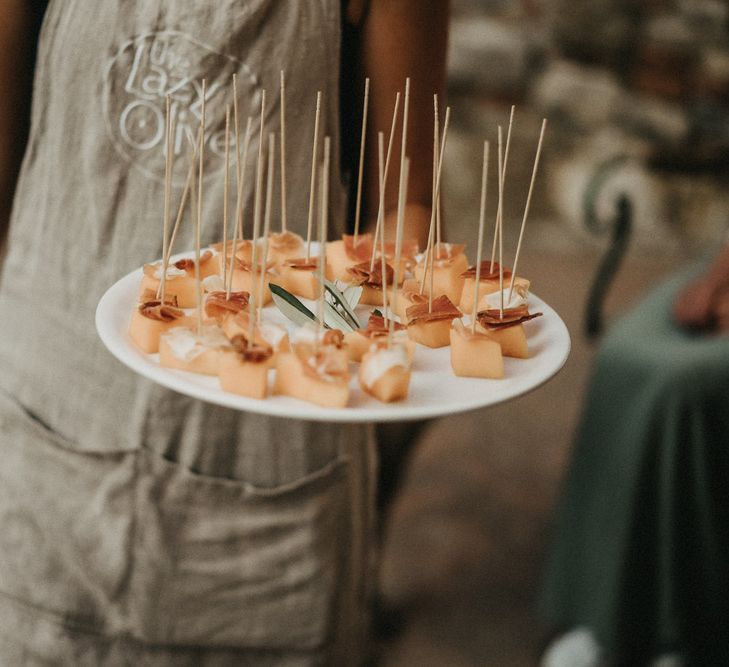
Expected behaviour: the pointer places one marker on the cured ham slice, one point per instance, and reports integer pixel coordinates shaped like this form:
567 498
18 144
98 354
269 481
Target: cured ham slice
371 281
508 330
432 328
219 307
475 354
265 334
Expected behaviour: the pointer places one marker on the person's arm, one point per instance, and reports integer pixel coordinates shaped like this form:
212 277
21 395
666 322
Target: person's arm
17 48
704 303
401 38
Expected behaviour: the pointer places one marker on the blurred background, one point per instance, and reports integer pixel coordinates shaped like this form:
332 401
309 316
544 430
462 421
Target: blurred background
637 99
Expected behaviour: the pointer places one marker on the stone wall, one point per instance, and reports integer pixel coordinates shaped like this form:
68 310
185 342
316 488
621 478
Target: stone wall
637 97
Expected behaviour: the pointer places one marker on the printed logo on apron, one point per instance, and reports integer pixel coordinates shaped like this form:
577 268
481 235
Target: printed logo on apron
148 68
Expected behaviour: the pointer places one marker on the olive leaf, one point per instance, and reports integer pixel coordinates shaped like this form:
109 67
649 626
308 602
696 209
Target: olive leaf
343 305
290 306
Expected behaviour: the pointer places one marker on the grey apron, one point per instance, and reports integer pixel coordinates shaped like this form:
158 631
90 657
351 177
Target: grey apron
138 526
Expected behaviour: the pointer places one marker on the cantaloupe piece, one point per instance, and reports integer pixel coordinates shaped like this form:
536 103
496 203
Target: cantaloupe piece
488 286
512 339
293 380
358 343
339 261
432 334
178 287
475 355
303 282
245 280
183 349
146 331
242 376
283 246
385 373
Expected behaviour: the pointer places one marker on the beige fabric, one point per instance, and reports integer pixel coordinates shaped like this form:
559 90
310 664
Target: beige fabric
130 516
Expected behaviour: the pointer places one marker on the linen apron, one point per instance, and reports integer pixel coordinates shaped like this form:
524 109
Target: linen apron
138 526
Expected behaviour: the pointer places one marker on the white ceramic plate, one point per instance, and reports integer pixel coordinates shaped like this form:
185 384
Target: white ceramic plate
434 390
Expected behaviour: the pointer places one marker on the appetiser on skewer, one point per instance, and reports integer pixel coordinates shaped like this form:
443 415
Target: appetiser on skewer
151 318
385 369
448 264
359 341
489 283
284 245
348 252
472 353
317 368
243 369
505 326
196 349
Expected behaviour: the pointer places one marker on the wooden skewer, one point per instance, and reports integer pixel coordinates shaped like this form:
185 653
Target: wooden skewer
500 228
183 202
436 148
266 220
500 211
257 206
380 218
284 218
479 246
362 142
167 197
312 185
240 168
201 163
239 216
226 192
381 208
526 208
401 201
324 206
403 143
429 251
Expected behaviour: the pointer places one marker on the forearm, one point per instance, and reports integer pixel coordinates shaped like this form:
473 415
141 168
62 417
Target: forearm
16 56
403 38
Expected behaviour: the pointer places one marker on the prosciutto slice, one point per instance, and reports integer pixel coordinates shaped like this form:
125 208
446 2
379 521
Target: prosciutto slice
362 251
486 272
217 305
443 309
490 319
362 275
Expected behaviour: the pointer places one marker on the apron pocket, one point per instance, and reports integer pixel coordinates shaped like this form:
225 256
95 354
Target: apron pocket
219 562
65 523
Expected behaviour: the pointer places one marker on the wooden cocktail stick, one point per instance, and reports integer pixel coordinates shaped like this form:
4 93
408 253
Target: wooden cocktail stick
500 228
479 245
500 211
401 201
362 142
324 220
436 148
236 122
380 221
167 196
431 232
241 175
198 225
312 184
526 207
284 218
403 143
266 220
226 193
381 207
257 211
183 203
429 251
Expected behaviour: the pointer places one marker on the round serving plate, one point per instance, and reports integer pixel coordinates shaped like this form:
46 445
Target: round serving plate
434 389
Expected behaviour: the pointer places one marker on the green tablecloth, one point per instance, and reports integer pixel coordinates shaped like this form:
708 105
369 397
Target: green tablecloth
641 548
